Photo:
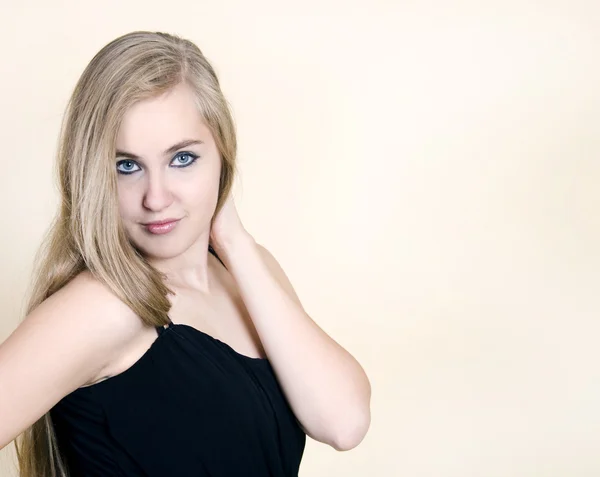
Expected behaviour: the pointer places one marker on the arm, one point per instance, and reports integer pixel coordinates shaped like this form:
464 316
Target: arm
64 343
326 387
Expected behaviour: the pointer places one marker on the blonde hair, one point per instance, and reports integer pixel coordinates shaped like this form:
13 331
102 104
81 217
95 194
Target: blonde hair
87 233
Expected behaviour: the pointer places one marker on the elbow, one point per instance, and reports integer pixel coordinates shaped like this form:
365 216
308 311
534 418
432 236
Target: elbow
352 435
355 428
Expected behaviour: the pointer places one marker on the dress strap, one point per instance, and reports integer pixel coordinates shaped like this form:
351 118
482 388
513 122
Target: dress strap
212 250
161 329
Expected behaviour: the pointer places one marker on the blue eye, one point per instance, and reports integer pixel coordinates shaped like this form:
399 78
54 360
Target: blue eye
188 154
128 163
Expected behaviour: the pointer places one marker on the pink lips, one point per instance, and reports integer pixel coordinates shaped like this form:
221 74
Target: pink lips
162 227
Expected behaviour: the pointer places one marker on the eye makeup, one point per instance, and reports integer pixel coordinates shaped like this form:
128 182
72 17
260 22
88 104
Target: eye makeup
194 158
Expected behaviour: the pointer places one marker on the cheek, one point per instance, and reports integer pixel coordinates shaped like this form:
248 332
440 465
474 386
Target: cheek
126 202
201 194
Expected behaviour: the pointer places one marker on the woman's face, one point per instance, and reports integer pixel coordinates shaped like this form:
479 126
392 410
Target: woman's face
160 177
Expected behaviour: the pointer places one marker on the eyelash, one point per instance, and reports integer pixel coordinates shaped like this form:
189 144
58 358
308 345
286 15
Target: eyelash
191 154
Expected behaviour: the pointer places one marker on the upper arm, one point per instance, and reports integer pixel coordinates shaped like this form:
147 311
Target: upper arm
284 281
61 345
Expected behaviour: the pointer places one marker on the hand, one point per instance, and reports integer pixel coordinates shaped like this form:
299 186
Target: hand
226 228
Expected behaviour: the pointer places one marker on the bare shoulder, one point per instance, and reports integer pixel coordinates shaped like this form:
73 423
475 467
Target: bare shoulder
85 305
87 312
278 272
64 343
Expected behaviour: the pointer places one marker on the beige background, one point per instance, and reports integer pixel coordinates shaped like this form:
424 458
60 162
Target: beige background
425 172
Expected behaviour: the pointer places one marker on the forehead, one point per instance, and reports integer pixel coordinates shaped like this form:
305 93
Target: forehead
152 125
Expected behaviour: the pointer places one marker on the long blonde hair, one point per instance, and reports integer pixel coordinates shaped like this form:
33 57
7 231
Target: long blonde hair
87 233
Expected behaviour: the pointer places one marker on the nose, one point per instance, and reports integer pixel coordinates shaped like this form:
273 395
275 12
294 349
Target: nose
158 194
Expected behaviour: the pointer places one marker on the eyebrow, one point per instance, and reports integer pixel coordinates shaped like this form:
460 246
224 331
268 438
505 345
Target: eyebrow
171 150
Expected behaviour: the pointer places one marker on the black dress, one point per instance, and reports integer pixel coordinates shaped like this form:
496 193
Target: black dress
191 406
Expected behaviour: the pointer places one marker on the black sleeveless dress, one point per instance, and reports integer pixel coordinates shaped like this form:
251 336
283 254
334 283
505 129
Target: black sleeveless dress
191 406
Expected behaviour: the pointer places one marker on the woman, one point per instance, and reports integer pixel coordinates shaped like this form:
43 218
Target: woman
160 339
